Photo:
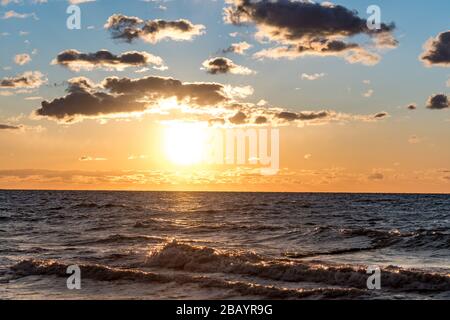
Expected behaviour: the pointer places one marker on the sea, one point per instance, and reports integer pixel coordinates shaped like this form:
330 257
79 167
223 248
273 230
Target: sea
223 245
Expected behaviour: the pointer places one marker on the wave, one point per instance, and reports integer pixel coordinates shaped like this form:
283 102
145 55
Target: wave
310 254
118 238
93 205
420 238
165 224
104 273
191 258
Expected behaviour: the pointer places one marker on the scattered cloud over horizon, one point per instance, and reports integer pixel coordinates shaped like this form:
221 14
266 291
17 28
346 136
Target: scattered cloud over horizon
103 59
80 1
414 139
369 93
9 127
312 77
376 176
22 59
26 80
438 102
129 29
437 51
89 158
6 2
16 15
252 115
221 65
238 48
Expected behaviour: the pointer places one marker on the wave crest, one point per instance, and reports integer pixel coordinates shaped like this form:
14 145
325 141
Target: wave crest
103 273
190 258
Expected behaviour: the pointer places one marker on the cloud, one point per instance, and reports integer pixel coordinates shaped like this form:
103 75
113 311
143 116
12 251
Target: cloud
80 1
8 127
196 93
376 176
381 115
33 98
124 96
6 2
27 80
131 28
172 99
437 51
103 59
307 28
22 59
248 114
15 15
291 116
438 101
312 77
368 93
137 157
224 65
352 53
88 158
414 139
238 48
238 118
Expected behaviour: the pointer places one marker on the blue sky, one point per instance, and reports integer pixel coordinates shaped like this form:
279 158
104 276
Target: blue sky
416 22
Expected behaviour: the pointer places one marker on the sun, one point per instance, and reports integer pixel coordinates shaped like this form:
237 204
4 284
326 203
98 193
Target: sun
185 143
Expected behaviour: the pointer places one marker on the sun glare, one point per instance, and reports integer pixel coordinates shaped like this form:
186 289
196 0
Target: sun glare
185 143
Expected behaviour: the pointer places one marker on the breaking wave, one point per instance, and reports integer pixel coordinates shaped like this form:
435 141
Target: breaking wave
104 273
190 258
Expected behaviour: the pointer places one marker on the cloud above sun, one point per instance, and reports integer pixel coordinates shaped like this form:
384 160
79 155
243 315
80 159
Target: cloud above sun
214 102
124 95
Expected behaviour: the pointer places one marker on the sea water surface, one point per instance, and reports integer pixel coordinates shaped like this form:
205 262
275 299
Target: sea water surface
194 245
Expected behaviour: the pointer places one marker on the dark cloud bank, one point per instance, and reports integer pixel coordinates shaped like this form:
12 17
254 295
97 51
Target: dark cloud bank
304 28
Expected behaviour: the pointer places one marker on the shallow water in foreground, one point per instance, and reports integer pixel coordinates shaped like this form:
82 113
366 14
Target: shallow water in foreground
193 245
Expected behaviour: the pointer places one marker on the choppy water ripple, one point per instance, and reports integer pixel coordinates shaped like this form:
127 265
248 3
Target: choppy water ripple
248 245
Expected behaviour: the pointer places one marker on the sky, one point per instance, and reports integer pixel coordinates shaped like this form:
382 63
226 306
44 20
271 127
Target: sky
125 101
